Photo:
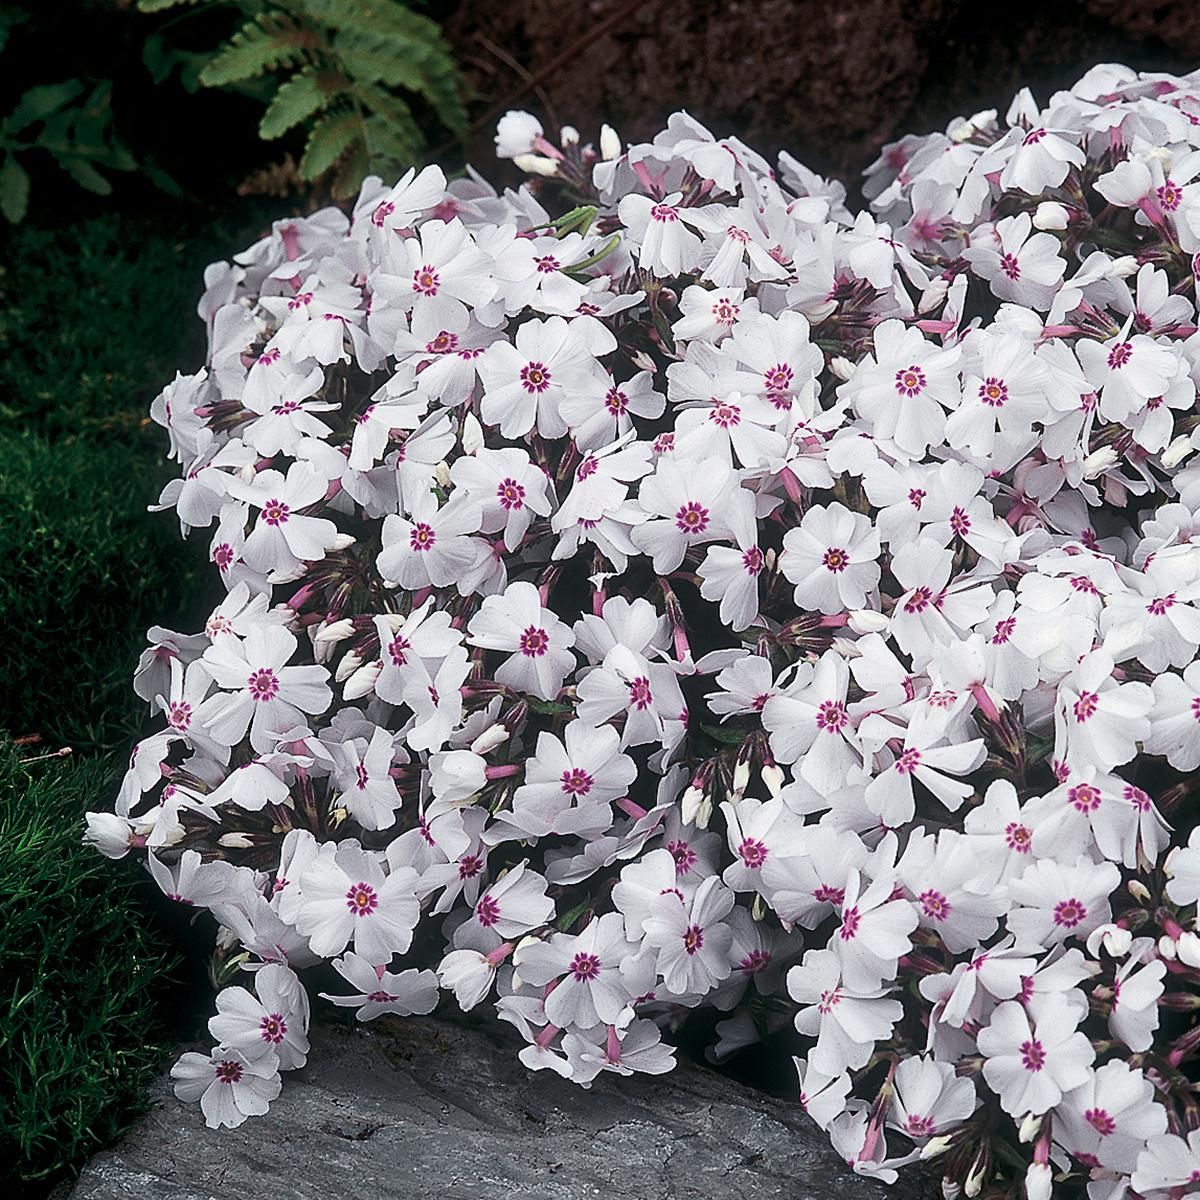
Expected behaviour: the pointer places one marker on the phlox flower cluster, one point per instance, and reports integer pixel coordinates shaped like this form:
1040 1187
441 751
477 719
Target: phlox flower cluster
660 600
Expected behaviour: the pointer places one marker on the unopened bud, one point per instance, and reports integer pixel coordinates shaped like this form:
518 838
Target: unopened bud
362 681
843 368
867 620
442 474
489 739
1188 945
472 434
235 841
535 164
1138 890
741 778
610 143
1037 1181
1166 948
772 777
349 664
689 806
1125 266
568 136
1177 451
343 541
935 1147
1050 216
1099 461
1030 1127
335 631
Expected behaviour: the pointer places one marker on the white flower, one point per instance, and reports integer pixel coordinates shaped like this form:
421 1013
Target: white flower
380 991
275 1018
831 557
229 1084
690 937
538 643
1034 1055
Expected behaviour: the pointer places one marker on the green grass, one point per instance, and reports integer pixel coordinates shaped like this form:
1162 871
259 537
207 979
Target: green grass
79 1034
95 317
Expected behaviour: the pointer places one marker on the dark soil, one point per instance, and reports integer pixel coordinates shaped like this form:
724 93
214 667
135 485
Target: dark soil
829 81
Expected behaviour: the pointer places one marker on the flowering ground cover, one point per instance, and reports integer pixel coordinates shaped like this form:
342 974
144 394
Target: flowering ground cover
667 599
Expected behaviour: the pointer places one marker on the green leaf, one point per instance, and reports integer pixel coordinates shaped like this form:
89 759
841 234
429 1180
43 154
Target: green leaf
331 137
39 103
571 916
547 707
296 100
154 6
266 43
85 175
14 190
725 735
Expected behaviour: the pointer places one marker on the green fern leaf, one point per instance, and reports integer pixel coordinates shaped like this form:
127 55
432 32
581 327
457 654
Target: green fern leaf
266 43
331 137
296 100
153 6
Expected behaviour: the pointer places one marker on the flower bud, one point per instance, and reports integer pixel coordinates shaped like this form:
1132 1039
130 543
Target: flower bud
935 1147
1138 890
690 804
568 136
843 368
535 164
1050 216
362 681
472 435
1099 461
343 541
1113 938
1125 266
349 664
1166 948
741 778
866 620
109 834
335 631
1030 1128
442 474
1037 1181
772 777
1177 451
489 739
235 841
1188 945
610 143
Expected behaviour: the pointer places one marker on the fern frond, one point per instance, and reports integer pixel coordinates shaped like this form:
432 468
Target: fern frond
270 41
332 136
296 100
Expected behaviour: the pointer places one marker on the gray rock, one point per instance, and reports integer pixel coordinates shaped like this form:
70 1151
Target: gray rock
426 1110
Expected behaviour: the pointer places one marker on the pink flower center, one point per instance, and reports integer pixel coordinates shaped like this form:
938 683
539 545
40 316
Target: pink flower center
1100 1121
684 856
835 559
1069 913
753 853
663 212
692 518
1017 837
640 695
222 555
778 378
936 906
993 392
1159 605
918 1126
547 263
1084 797
919 601
585 967
361 779
916 495
1085 706
1010 266
1169 195
487 911
1119 355
228 1071
850 923
829 895
444 343
510 494
754 962
1033 136
426 281
272 1028
422 537
577 782
960 523
534 378
1033 1055
180 715
383 210
275 512
362 900
1004 631
908 761
831 716
693 938
829 999
534 642
911 381
752 561
396 650
616 401
469 866
263 684
725 415
725 312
